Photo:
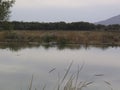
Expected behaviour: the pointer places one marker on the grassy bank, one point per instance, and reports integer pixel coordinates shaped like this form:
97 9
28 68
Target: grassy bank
62 37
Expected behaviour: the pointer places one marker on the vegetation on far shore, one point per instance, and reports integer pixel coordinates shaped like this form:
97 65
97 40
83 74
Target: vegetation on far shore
78 26
62 37
55 32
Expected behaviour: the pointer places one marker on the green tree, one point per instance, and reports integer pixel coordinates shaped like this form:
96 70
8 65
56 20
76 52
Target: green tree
5 9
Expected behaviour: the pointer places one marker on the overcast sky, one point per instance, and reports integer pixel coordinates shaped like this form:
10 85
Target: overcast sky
64 10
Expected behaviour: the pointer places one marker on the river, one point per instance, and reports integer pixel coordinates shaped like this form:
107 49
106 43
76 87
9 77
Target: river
48 65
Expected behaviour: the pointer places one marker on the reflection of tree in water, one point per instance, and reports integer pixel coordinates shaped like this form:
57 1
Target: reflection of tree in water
69 46
83 46
104 47
18 46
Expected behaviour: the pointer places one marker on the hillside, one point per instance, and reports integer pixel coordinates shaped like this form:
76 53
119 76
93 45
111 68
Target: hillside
110 21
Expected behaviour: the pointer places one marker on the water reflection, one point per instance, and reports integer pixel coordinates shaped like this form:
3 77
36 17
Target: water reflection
46 62
19 46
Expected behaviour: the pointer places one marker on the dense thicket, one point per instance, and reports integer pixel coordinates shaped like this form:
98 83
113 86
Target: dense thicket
15 25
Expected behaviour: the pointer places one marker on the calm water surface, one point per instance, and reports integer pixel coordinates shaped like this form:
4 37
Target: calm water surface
17 67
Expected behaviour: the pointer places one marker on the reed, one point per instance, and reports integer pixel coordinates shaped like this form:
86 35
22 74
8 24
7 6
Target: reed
72 82
62 37
31 82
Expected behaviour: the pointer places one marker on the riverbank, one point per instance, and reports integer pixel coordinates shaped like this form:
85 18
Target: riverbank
62 37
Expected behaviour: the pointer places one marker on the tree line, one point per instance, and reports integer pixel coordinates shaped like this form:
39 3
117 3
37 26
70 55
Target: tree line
5 6
16 25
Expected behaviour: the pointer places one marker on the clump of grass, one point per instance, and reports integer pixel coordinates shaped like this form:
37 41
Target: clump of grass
13 36
72 82
48 38
31 82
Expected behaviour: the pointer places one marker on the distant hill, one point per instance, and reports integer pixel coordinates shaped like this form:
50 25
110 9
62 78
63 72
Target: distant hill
110 21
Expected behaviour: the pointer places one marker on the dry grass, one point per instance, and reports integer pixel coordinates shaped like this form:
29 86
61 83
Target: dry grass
73 37
73 82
